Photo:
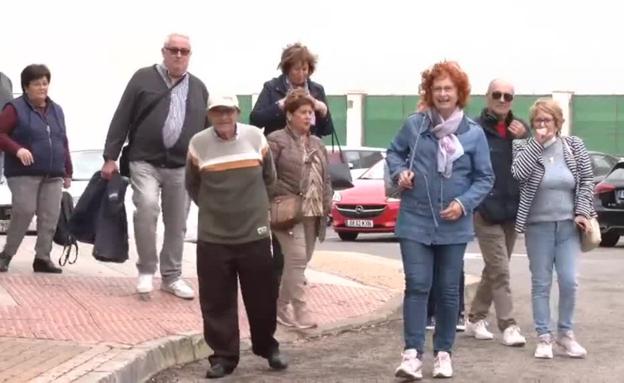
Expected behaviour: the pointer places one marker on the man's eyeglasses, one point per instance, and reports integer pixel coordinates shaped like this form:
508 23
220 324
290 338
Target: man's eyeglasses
181 51
507 97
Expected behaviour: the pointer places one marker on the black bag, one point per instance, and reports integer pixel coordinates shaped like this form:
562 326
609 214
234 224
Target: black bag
338 167
124 160
63 235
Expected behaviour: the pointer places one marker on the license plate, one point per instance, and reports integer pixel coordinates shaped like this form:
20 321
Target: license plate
359 223
4 225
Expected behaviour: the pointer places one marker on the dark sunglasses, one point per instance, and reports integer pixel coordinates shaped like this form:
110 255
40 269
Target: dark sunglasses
508 97
175 51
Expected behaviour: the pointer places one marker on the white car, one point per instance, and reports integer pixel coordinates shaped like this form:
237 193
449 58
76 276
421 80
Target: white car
359 158
85 162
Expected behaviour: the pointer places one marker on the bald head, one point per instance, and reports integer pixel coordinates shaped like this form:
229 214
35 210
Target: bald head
498 83
500 97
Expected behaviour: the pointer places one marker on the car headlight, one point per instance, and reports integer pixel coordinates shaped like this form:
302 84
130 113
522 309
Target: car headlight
391 199
336 197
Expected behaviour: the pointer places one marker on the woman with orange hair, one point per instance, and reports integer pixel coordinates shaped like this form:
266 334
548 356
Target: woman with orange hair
441 160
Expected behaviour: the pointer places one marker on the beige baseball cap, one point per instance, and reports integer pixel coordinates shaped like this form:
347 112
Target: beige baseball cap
228 101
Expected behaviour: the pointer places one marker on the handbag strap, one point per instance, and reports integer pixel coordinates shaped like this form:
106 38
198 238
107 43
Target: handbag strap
334 134
418 134
149 108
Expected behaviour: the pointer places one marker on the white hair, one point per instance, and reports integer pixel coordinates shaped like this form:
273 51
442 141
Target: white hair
173 35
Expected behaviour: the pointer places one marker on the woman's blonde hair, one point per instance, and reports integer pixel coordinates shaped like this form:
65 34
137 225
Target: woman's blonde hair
550 106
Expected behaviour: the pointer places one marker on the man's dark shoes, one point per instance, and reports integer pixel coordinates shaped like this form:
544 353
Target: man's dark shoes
218 371
4 262
277 361
45 266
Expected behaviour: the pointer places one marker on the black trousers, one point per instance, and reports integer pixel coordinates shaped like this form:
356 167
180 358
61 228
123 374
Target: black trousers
278 260
219 268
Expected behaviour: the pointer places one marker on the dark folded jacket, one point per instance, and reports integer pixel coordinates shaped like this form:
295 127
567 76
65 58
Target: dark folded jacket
100 218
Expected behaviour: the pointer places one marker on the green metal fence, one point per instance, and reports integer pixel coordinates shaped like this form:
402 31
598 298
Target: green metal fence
599 120
384 115
338 107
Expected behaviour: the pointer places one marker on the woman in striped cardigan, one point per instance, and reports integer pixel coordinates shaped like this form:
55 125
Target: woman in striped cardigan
556 202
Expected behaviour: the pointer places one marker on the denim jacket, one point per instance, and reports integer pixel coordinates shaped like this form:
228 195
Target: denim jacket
472 178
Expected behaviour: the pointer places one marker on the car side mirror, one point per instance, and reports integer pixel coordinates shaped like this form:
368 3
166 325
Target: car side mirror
351 166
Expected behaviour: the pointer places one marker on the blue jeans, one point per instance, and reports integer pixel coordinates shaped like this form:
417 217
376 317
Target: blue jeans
552 243
420 263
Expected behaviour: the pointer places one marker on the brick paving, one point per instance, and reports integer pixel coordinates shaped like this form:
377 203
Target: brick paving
87 323
52 325
92 309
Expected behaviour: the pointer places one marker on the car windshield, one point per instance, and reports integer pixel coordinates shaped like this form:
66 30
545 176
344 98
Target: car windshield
376 172
86 162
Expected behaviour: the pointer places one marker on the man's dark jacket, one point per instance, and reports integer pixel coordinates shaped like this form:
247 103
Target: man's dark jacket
268 115
501 204
147 145
99 218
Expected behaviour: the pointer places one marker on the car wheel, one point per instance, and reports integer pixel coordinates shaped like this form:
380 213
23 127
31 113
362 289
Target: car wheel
609 239
348 236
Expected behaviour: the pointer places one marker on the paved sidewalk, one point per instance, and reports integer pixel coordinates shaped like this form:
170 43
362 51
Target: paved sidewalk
88 325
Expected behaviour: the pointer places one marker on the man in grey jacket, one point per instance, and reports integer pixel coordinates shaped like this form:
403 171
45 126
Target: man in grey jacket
162 107
6 95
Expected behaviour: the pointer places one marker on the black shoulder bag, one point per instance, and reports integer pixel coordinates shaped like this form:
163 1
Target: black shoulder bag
124 160
339 171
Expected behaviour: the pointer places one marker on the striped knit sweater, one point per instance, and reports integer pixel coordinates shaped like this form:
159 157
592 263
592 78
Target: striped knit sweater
528 168
228 179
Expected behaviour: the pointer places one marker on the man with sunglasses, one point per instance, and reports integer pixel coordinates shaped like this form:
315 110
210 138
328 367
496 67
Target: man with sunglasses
162 107
494 218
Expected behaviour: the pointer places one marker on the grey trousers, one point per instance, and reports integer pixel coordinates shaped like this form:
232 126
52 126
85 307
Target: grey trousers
496 243
153 187
32 195
297 245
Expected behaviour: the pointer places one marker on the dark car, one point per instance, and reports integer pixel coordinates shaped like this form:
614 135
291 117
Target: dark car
609 204
602 164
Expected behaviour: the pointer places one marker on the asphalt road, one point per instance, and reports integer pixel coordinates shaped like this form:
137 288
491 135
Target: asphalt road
372 354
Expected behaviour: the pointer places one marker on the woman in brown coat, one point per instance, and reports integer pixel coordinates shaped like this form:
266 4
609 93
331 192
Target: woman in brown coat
301 164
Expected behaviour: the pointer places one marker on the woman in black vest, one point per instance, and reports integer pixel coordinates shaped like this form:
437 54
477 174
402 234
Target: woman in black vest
37 165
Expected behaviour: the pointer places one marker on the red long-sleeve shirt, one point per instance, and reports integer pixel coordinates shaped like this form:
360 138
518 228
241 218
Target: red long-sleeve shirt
8 122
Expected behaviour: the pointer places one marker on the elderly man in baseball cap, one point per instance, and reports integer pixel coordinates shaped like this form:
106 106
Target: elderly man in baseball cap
228 170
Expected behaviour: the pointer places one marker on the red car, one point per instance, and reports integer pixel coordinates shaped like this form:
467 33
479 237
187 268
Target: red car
364 208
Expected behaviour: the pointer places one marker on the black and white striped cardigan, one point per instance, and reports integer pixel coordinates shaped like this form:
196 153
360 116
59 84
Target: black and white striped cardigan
528 168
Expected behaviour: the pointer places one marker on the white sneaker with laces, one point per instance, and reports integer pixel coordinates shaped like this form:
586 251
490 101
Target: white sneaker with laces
544 348
478 330
410 367
145 284
442 367
570 346
512 337
179 288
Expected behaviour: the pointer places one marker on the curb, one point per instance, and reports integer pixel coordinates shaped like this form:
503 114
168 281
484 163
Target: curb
141 362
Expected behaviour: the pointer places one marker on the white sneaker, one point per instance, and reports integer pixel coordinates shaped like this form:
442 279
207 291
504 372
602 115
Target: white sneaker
478 330
442 367
145 284
179 288
544 348
411 366
512 337
570 346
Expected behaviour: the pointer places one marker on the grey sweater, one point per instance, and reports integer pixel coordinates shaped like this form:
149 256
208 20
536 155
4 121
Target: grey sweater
554 200
146 85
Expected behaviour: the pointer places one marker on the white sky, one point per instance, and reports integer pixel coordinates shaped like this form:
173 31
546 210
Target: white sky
380 47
